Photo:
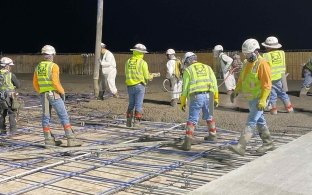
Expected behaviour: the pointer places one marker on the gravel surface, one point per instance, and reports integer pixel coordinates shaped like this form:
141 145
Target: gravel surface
157 108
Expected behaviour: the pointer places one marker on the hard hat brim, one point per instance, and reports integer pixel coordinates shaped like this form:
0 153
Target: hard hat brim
276 46
139 50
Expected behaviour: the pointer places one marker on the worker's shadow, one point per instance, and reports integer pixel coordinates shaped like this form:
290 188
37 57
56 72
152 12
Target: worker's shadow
156 102
297 93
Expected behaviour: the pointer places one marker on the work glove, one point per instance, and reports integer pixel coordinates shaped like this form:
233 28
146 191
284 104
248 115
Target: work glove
262 100
216 99
233 96
63 96
182 103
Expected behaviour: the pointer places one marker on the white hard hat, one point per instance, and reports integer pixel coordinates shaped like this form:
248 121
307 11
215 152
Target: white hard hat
6 61
103 45
170 52
272 42
48 49
140 48
189 54
218 48
188 58
250 45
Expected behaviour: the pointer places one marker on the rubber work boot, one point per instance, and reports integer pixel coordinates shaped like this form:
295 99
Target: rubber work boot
101 95
273 110
240 148
129 119
189 138
49 140
116 95
72 141
212 136
266 138
288 107
174 102
304 91
137 119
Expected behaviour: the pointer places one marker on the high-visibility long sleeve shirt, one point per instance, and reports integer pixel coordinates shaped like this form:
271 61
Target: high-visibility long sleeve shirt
55 80
264 75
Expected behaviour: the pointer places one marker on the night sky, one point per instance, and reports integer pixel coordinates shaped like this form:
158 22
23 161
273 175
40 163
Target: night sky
193 25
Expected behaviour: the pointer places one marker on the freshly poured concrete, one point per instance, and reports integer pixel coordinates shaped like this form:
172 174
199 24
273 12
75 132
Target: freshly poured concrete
284 171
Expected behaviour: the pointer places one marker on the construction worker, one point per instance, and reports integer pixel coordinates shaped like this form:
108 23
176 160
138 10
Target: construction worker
137 75
200 88
109 71
174 75
226 67
47 83
255 84
8 84
307 78
276 59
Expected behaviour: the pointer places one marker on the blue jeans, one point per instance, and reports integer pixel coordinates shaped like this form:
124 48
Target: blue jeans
57 104
255 117
199 102
277 92
136 97
307 81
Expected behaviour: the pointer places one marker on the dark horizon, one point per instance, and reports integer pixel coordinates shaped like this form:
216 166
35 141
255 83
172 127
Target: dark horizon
70 25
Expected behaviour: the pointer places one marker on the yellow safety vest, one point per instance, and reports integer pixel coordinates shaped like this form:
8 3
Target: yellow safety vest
134 71
276 59
44 74
178 68
200 78
251 85
6 80
309 65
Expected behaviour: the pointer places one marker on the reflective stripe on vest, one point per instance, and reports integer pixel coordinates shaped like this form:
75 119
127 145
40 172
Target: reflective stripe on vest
251 85
276 60
200 78
7 80
44 74
133 71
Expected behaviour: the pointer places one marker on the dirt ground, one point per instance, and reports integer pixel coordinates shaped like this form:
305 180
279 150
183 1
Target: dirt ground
157 108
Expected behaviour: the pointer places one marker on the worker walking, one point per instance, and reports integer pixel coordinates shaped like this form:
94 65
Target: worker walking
47 83
307 77
109 72
226 67
200 88
276 59
8 84
174 74
255 84
137 76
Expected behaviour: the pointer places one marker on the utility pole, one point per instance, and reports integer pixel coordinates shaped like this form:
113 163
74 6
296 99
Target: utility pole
97 53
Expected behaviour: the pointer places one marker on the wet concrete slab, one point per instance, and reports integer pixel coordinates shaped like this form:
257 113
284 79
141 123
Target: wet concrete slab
284 171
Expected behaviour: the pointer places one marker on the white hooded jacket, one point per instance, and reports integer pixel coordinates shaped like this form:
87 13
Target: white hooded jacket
108 62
